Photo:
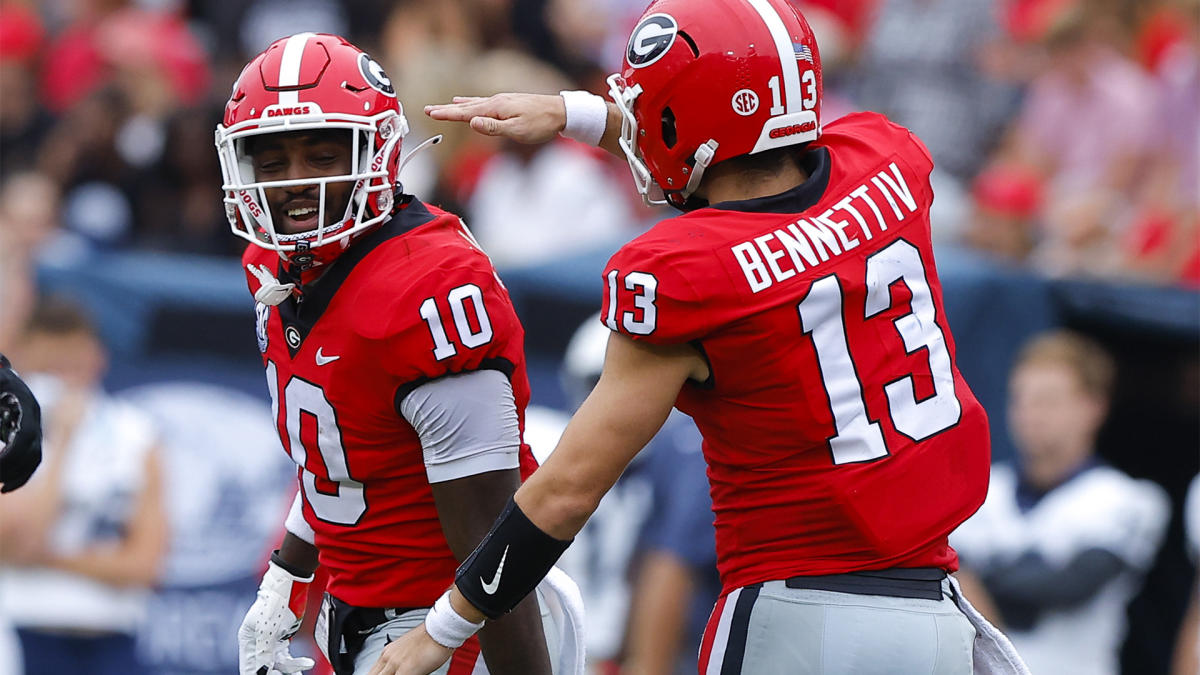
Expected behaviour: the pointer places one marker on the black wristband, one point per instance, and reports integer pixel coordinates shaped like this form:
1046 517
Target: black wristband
508 564
4 362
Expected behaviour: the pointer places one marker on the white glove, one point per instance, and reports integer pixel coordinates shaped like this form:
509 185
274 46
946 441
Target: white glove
263 638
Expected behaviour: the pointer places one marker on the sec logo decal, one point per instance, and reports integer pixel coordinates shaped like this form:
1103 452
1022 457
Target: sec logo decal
745 102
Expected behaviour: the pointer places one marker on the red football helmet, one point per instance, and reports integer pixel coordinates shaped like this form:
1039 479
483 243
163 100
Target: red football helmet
706 81
304 82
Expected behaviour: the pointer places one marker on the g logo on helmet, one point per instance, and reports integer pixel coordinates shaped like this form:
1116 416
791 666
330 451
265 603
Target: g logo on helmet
651 39
373 73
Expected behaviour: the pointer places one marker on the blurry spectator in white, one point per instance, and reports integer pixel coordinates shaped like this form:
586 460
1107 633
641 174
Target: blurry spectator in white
535 203
28 218
82 544
919 65
1187 645
1003 222
1062 543
1089 124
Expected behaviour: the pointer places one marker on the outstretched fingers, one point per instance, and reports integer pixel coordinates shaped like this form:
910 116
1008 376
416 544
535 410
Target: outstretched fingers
525 118
464 108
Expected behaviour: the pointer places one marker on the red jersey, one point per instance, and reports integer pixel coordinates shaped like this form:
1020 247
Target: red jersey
838 432
410 302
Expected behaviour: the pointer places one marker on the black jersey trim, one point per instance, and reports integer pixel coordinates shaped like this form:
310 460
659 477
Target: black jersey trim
303 313
711 381
800 198
496 363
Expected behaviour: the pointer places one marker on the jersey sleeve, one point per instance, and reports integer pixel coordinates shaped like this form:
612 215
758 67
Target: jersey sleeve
455 317
467 424
649 294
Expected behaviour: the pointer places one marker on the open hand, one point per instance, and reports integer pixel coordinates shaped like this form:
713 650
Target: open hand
525 118
415 653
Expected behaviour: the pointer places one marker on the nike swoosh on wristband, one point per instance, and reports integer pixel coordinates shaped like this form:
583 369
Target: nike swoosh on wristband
323 360
490 588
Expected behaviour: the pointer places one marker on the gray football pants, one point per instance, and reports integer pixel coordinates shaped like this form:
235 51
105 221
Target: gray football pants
386 632
770 629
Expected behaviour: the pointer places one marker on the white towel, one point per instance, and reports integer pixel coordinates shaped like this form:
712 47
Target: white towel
992 652
565 604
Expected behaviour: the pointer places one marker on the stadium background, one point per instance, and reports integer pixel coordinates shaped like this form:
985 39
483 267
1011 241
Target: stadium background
109 194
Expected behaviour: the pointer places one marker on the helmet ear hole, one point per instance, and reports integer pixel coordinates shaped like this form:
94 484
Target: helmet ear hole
690 43
669 134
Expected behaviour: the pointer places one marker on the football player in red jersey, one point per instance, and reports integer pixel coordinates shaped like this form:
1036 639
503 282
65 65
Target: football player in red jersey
794 311
393 358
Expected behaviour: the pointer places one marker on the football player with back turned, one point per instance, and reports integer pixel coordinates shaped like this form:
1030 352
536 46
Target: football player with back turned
794 311
393 358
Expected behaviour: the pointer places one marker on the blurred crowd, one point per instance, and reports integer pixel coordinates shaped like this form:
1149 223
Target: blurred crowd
1064 131
1066 135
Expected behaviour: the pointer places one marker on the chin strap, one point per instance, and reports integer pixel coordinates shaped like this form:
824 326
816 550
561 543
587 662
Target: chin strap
270 291
703 157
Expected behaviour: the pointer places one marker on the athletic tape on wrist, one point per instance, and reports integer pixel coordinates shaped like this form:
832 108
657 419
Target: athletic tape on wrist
587 116
508 564
447 627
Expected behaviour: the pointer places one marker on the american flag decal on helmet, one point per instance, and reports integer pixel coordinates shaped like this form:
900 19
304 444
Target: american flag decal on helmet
802 52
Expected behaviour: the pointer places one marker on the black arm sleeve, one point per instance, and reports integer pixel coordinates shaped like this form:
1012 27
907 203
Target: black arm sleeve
1029 584
485 580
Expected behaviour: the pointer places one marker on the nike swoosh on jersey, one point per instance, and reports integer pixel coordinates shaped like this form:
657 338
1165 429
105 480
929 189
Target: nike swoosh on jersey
323 360
490 588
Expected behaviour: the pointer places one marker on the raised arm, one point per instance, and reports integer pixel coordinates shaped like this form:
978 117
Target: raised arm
530 118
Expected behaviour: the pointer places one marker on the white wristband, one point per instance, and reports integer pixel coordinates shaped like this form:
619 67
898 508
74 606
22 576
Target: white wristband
587 115
446 626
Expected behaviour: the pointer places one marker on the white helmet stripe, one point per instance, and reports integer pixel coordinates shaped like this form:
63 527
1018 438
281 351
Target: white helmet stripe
289 68
787 54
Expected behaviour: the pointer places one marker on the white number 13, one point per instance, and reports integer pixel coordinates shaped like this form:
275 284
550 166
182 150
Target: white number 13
645 287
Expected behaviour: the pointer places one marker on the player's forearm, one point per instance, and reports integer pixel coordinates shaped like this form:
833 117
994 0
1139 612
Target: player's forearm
300 557
120 565
1031 580
630 403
